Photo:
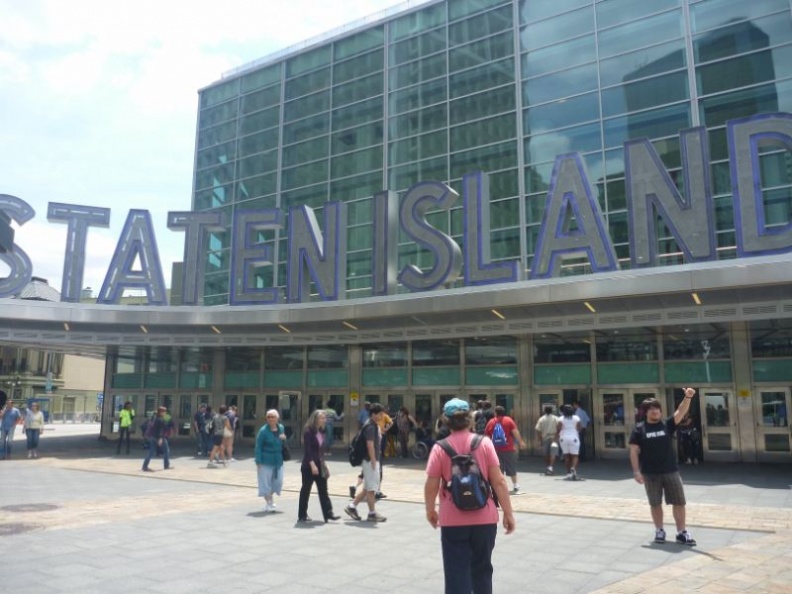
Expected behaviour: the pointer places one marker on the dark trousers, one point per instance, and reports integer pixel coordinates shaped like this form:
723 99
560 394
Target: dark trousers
32 438
308 479
582 436
467 558
123 432
403 439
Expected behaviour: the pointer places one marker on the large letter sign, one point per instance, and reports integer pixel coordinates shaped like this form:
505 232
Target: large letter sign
248 254
16 259
195 225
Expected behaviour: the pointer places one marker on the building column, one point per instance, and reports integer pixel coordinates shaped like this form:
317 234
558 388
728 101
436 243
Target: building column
742 371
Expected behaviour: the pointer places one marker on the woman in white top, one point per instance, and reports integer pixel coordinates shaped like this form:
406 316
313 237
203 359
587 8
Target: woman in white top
34 425
568 436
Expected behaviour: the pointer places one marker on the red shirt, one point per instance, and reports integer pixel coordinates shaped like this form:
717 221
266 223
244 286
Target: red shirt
508 428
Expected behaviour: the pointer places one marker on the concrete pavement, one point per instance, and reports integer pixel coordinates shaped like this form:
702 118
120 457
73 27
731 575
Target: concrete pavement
82 518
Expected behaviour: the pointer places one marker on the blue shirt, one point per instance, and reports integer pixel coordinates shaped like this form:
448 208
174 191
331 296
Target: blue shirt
363 416
10 418
583 416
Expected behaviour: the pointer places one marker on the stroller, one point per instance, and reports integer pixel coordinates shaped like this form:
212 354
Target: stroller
423 443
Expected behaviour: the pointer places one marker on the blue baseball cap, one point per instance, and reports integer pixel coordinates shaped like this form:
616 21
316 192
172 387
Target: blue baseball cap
455 405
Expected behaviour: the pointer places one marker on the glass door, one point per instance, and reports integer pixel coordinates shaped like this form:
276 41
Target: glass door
616 412
773 433
719 430
288 404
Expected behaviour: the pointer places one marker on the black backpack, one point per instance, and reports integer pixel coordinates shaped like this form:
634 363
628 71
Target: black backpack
469 491
357 447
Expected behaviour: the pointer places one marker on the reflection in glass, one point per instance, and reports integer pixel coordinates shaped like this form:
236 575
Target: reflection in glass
777 443
615 441
613 409
719 442
717 410
774 409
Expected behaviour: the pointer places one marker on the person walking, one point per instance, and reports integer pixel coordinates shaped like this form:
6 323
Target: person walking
405 423
221 427
199 430
585 420
34 425
126 417
10 417
546 429
314 469
568 436
654 465
506 438
467 537
269 459
157 433
332 417
370 468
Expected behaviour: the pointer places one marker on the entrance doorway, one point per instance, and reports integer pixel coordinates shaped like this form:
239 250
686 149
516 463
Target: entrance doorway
773 431
719 429
615 414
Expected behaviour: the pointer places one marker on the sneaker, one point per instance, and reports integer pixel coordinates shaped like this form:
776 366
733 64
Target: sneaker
375 517
147 470
352 512
549 471
352 491
232 460
568 476
515 489
269 508
211 465
660 536
379 495
685 538
574 475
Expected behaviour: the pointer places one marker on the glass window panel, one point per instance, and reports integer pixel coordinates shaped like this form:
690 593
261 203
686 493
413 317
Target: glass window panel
259 120
642 63
215 176
544 147
418 96
208 199
415 122
307 83
488 158
483 132
354 138
327 357
359 113
308 61
385 355
261 78
481 105
717 411
546 32
738 38
306 128
776 443
613 12
359 42
717 110
696 342
305 175
630 36
283 358
221 153
505 244
428 43
361 186
771 338
774 409
531 10
401 178
433 353
560 84
714 13
242 359
357 67
418 147
310 150
219 93
504 184
458 10
256 164
358 89
561 113
555 57
312 196
358 162
306 106
256 186
504 213
652 124
360 238
258 143
558 348
417 71
501 350
261 99
481 78
217 134
777 205
479 26
217 114
481 52
632 344
645 93
744 71
774 168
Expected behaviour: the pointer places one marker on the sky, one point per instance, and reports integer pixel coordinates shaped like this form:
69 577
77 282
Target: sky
99 105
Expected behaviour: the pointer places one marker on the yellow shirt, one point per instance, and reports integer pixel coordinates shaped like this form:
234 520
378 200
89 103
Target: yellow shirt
384 421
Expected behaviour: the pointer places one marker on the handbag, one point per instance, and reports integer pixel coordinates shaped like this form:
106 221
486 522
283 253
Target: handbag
324 471
286 451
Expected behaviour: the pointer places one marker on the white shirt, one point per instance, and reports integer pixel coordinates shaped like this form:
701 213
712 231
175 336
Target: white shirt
569 426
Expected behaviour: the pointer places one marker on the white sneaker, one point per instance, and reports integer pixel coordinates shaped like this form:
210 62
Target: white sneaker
232 460
269 508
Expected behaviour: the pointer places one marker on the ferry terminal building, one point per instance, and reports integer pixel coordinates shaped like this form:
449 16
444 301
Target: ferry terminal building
531 202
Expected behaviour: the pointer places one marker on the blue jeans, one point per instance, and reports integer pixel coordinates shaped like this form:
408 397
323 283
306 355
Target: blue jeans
467 558
32 438
152 449
6 437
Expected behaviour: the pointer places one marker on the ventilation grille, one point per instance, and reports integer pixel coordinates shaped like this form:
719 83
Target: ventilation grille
724 312
682 315
579 322
613 319
759 310
550 324
648 317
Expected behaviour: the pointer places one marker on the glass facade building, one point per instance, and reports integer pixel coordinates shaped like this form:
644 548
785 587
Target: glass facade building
445 88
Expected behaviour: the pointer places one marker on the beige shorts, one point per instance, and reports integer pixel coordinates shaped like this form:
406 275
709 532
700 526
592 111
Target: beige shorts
371 477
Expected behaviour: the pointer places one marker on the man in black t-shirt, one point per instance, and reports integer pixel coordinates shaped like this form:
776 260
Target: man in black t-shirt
654 465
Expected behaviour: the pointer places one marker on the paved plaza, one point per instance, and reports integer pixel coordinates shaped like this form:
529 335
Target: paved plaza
81 519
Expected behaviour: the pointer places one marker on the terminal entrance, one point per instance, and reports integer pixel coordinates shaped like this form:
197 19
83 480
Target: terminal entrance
615 414
718 423
773 431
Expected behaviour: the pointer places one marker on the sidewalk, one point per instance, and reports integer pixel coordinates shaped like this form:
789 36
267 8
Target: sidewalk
741 516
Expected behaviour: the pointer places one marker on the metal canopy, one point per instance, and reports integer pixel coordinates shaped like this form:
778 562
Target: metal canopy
747 289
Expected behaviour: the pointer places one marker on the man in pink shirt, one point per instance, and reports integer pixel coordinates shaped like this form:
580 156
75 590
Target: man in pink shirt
507 453
467 537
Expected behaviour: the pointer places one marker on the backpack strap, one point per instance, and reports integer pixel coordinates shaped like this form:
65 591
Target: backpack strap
443 443
475 442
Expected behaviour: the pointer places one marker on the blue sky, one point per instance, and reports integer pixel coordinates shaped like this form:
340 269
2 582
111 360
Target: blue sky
99 103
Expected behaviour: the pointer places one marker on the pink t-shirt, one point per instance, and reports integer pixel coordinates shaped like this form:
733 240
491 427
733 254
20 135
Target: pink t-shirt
439 466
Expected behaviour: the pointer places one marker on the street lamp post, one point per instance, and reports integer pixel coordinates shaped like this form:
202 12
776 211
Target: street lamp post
14 387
